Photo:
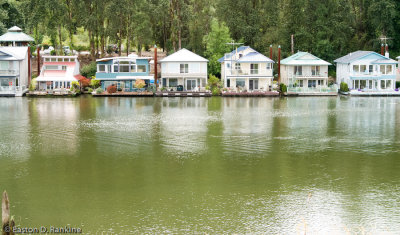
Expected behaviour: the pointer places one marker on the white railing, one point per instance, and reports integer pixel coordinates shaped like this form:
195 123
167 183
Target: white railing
318 89
11 89
12 72
308 75
241 72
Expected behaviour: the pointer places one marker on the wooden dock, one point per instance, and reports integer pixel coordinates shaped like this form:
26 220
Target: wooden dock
123 94
251 94
182 94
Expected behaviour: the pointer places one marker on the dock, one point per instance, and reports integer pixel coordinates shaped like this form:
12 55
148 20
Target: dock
124 94
182 94
251 94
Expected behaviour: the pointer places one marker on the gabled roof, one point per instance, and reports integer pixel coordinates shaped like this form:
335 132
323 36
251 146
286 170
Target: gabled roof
303 58
15 34
254 57
242 48
126 58
13 53
184 55
361 54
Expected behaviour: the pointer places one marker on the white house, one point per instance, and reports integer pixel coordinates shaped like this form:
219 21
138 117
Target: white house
184 71
247 69
366 71
14 71
57 73
304 73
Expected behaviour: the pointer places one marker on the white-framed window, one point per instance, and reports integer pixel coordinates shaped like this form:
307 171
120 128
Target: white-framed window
101 68
228 65
253 68
237 66
298 70
47 59
51 67
141 68
184 68
315 70
268 66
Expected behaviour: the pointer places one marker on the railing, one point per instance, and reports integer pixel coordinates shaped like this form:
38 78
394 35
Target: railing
375 73
319 89
9 72
240 72
11 89
307 75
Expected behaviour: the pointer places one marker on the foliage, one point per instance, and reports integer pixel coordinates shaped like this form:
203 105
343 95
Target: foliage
85 82
282 88
397 84
90 90
344 87
214 84
99 90
94 83
112 89
75 86
32 85
140 84
89 70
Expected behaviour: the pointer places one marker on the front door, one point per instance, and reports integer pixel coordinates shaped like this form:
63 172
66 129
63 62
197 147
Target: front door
253 84
190 84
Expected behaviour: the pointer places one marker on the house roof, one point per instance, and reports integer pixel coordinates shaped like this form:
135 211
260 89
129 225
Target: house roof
125 58
13 53
184 55
360 54
239 49
59 75
254 57
303 58
15 34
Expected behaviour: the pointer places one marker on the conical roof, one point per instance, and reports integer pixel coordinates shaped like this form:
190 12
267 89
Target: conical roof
15 34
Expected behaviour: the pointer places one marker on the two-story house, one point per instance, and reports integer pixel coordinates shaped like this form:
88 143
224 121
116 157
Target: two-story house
57 73
246 69
305 73
366 71
123 72
14 71
184 71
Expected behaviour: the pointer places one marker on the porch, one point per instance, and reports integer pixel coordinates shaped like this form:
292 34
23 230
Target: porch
184 84
241 84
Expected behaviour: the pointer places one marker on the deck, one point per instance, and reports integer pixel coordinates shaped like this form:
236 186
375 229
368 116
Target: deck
124 94
375 93
182 94
251 94
312 94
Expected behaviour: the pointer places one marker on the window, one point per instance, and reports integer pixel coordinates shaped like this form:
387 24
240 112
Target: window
116 68
228 65
240 83
133 68
63 67
388 84
253 68
301 83
60 59
4 82
363 68
53 59
141 68
382 69
315 70
356 68
356 84
184 68
389 69
268 65
371 69
101 68
164 82
173 82
237 66
51 67
124 66
47 59
363 84
370 84
312 83
298 70
383 84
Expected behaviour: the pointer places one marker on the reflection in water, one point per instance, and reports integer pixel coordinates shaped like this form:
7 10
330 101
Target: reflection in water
203 165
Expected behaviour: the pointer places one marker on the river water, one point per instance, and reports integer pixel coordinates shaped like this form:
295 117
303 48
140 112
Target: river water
203 165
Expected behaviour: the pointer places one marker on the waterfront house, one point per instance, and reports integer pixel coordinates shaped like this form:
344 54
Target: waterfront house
57 73
246 69
14 71
15 37
123 72
367 72
184 71
305 73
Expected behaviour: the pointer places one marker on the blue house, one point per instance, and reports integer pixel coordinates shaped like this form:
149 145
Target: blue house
367 72
123 72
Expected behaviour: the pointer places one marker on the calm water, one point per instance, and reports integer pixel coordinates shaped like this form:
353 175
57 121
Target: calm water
203 165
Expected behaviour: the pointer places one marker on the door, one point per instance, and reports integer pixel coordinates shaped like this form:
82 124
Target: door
253 84
190 84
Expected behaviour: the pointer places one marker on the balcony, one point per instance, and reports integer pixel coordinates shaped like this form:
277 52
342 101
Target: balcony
9 72
308 75
249 72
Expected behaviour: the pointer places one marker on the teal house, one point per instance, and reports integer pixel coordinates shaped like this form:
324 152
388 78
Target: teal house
123 72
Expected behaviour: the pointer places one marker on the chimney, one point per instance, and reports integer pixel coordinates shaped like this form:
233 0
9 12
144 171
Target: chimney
387 51
155 67
38 59
279 64
382 49
270 51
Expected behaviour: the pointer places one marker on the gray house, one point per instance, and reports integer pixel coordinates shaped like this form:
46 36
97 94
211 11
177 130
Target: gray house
14 71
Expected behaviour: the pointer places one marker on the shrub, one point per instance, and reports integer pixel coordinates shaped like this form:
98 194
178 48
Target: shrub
344 87
75 86
397 84
95 83
90 90
99 90
32 85
214 84
85 82
112 89
140 84
89 70
283 88
163 88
